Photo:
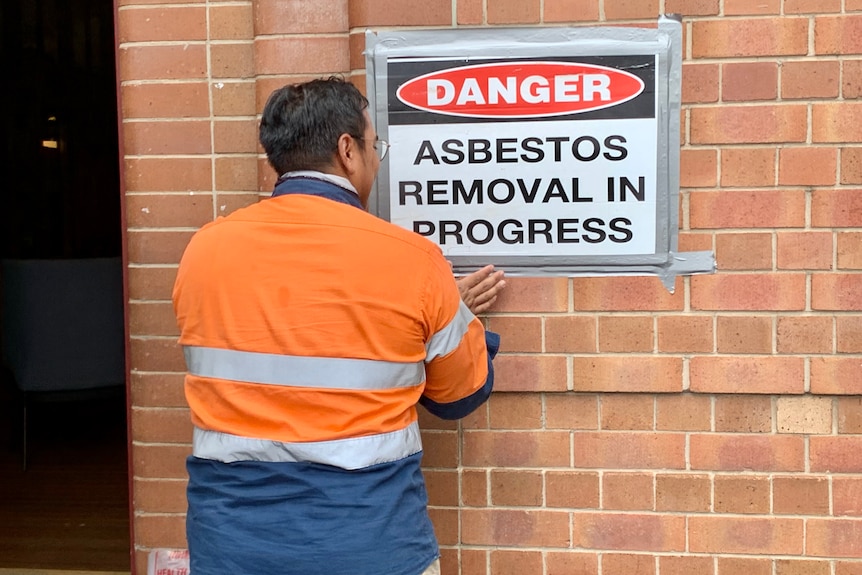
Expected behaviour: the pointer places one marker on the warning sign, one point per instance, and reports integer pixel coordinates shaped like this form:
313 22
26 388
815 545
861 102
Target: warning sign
554 152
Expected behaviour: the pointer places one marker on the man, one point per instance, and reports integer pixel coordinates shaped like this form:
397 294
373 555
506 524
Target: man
311 329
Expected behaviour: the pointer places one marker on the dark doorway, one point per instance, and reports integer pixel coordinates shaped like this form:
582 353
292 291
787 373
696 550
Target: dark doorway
69 509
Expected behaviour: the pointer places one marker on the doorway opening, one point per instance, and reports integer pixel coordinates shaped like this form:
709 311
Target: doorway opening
64 500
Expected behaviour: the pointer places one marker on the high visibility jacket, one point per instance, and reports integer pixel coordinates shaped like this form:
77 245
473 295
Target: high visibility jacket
311 330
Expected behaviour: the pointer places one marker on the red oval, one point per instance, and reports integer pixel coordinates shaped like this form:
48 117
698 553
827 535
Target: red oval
520 89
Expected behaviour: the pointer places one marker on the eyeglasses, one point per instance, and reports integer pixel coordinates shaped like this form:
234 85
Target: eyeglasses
380 146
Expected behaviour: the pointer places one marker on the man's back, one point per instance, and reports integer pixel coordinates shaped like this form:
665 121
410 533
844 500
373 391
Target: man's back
311 330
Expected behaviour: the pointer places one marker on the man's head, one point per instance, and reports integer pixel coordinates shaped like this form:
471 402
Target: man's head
321 125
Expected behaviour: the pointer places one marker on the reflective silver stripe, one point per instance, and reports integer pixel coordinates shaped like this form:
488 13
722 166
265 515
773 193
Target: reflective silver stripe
352 453
293 370
448 338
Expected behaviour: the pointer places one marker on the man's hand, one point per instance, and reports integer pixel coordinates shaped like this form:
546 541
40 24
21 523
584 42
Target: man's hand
479 290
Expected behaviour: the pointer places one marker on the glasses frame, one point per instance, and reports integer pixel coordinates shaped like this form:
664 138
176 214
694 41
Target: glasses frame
381 151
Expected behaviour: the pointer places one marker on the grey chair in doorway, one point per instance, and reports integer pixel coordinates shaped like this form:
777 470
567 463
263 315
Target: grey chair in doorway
63 334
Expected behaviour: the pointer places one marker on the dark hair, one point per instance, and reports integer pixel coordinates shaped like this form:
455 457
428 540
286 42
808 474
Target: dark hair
301 123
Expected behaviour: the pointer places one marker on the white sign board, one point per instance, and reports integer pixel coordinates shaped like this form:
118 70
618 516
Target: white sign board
544 151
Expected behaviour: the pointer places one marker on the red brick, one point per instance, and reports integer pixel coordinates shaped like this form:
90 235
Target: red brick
170 62
400 13
445 523
516 449
808 334
162 23
442 486
570 334
160 496
804 250
836 122
745 535
743 413
746 251
517 334
627 373
166 531
848 567
625 333
157 389
627 411
722 452
569 11
474 488
631 9
749 81
800 496
747 209
175 100
572 489
686 334
683 492
836 208
836 375
151 283
474 562
834 538
683 412
748 292
157 247
686 565
807 166
155 138
692 7
764 37
695 242
571 411
629 450
759 124
235 137
849 415
524 12
156 355
851 162
625 294
847 496
530 373
152 318
836 454
741 7
811 6
698 168
515 411
231 22
169 210
159 461
748 167
440 449
840 292
631 564
516 562
627 491
849 333
161 425
700 84
234 98
232 60
509 527
168 175
740 565
301 55
851 87
229 202
744 334
571 562
849 250
631 532
838 34
802 567
236 173
277 17
516 488
809 79
754 374
534 295
470 12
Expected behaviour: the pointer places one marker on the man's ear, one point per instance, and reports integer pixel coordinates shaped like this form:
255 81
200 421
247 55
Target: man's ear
347 154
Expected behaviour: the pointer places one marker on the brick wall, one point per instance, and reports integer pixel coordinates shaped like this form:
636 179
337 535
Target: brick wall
715 431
